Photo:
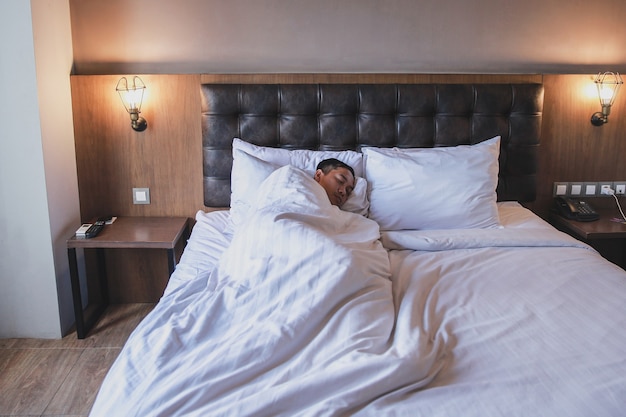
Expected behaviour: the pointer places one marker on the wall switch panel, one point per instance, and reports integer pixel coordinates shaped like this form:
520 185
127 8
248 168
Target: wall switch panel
588 188
576 189
560 188
141 196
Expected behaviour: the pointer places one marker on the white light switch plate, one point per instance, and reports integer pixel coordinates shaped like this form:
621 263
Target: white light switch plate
141 196
576 188
590 189
560 188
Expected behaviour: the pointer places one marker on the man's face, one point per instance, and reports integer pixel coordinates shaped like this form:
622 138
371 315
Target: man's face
338 184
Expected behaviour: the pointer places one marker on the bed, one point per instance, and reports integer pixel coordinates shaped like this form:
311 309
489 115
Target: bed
433 291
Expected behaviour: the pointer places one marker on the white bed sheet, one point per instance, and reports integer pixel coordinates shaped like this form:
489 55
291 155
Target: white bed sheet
517 321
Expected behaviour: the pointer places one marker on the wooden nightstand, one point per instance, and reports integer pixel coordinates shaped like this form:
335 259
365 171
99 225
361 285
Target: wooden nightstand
607 237
124 233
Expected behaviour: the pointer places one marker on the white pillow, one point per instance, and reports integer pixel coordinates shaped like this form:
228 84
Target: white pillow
250 170
300 158
245 180
434 188
358 202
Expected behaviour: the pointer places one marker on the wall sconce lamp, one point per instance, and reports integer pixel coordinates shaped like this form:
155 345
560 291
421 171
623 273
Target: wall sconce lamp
132 96
608 85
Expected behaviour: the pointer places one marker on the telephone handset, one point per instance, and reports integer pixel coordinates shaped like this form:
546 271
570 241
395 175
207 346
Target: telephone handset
575 209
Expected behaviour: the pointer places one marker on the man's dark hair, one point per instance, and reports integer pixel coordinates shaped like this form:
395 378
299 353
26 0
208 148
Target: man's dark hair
329 164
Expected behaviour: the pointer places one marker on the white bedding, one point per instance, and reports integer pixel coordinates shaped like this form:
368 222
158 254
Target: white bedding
296 318
520 320
534 327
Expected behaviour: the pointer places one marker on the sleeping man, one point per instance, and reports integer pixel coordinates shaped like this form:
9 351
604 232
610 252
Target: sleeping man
337 178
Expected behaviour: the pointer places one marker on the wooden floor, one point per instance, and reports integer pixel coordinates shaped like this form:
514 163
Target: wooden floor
61 377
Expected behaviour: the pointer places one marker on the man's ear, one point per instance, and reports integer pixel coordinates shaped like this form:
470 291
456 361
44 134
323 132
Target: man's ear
318 175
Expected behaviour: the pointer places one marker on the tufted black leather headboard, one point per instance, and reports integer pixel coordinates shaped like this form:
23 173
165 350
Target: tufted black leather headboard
350 116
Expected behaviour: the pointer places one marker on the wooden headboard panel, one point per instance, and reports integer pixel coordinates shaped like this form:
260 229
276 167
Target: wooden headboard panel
350 116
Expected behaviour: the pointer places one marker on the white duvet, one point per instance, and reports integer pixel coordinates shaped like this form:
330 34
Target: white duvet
297 318
302 311
529 321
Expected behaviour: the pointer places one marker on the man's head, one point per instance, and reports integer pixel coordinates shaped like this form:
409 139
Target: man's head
337 178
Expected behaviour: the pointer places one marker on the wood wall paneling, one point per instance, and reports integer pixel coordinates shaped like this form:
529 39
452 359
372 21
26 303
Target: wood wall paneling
572 149
366 78
112 158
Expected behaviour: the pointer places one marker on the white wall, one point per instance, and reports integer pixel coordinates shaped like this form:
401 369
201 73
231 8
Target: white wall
53 62
428 36
38 193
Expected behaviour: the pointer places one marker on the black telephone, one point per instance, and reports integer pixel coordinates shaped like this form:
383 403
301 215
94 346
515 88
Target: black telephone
575 209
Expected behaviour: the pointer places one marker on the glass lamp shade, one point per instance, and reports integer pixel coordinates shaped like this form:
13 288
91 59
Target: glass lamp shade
608 85
131 95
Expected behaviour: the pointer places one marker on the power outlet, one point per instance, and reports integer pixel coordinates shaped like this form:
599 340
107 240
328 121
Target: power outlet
606 189
620 188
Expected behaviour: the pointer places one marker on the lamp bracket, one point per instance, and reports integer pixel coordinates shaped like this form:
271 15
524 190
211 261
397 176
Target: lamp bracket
598 119
139 125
